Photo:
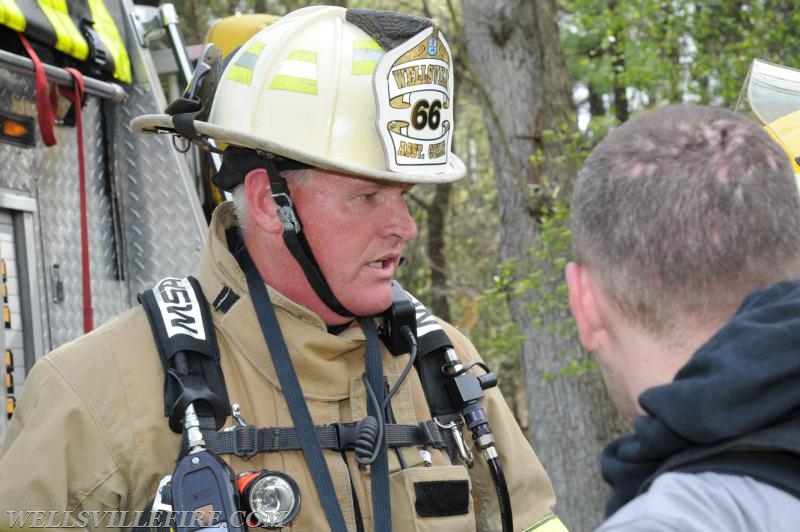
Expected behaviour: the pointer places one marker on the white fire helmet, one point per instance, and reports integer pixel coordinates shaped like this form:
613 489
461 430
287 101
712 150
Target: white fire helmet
316 88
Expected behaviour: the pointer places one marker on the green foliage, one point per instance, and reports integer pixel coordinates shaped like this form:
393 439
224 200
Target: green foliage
674 50
485 319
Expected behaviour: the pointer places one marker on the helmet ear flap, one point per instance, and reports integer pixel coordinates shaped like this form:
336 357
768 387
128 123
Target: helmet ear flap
236 164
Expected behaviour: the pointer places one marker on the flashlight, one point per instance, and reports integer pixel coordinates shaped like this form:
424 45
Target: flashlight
271 499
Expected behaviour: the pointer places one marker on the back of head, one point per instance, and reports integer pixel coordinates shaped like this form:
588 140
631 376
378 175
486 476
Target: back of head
683 211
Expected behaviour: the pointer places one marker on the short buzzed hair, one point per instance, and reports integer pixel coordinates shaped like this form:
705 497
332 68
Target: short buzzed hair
683 211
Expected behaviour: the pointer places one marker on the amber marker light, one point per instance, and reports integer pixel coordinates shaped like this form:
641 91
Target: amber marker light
16 129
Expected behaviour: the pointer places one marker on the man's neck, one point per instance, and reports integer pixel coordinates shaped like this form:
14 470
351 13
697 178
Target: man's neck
654 361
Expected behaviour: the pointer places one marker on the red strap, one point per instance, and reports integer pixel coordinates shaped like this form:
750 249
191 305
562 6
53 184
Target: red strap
75 95
45 105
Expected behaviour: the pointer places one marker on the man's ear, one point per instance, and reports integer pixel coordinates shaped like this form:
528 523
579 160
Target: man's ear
583 300
262 208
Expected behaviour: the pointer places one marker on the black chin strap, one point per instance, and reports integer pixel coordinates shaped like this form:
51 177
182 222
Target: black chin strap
293 393
296 241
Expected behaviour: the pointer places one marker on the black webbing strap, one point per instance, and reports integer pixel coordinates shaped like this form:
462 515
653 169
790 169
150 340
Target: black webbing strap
184 112
184 334
246 440
312 450
295 240
381 499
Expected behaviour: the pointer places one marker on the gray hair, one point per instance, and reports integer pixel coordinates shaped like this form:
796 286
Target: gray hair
683 211
240 207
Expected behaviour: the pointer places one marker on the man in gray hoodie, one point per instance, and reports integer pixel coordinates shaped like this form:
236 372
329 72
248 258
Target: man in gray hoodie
686 240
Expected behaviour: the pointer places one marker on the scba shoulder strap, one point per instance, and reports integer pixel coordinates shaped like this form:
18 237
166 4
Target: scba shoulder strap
184 334
179 317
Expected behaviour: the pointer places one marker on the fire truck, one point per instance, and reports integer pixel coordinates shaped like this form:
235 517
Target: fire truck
91 214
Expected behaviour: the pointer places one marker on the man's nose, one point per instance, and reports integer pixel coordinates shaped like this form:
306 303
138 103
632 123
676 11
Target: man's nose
399 222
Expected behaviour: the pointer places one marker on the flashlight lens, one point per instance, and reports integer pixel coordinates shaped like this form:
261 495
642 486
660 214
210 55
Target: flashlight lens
273 498
271 494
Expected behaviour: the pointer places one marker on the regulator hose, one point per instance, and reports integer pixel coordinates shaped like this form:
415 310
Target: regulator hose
502 494
478 423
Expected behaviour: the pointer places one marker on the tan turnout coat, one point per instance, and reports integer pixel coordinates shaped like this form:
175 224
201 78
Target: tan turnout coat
89 431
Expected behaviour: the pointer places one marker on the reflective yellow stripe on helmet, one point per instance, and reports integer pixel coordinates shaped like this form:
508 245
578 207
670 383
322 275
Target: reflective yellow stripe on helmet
69 38
366 53
109 33
298 73
242 70
551 523
11 15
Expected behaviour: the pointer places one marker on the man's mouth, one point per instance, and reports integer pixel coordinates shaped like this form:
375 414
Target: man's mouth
385 263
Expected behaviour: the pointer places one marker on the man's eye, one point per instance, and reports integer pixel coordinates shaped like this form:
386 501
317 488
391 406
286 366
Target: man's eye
367 197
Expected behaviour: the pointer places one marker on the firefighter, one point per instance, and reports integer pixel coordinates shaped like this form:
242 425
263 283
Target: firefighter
327 119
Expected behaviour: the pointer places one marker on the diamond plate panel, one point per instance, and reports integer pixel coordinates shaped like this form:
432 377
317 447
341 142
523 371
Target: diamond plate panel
21 169
163 220
164 224
160 223
59 215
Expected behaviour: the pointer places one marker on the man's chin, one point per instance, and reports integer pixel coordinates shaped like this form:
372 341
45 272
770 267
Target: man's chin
372 306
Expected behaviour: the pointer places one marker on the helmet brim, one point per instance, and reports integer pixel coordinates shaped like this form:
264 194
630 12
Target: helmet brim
162 123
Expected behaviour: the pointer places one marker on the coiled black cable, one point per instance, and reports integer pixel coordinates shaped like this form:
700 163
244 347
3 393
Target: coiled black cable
370 434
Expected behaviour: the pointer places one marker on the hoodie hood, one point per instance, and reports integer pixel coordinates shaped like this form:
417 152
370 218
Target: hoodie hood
744 379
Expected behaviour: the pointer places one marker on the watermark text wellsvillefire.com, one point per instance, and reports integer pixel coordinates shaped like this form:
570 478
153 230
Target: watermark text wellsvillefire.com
124 519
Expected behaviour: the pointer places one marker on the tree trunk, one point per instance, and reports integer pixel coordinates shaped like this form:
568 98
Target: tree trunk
437 224
621 111
516 56
620 91
596 105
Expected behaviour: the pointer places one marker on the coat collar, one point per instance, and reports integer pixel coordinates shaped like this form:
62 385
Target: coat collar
326 362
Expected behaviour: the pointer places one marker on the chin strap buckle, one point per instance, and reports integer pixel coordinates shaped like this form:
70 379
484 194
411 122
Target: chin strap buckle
286 212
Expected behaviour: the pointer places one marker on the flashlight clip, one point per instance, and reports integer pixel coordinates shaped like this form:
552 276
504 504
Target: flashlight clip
458 437
163 498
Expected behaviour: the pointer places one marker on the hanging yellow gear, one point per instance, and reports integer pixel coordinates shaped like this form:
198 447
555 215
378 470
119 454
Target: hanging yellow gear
229 33
105 26
52 23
